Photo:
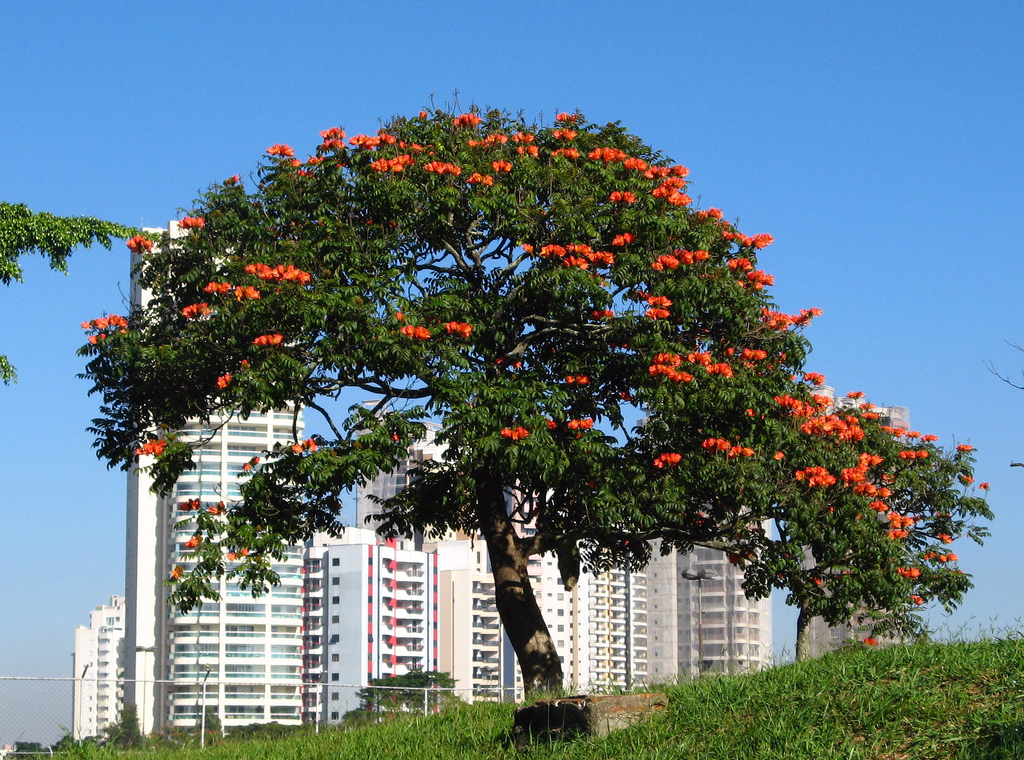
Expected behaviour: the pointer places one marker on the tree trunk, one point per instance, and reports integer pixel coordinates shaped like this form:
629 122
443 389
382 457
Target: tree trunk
517 606
803 635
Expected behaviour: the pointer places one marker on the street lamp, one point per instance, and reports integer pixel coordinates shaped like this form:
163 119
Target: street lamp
81 688
144 651
202 719
700 577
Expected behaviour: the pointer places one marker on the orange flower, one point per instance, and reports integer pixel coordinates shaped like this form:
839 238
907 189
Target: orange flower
192 222
139 244
419 333
622 196
269 340
577 380
466 120
154 447
277 149
218 287
196 310
965 447
459 328
246 291
608 155
564 117
816 476
668 460
501 166
480 179
624 239
664 262
515 434
439 167
176 572
224 380
584 424
871 642
280 273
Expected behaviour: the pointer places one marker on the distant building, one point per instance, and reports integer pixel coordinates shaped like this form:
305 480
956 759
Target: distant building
700 619
99 646
386 485
822 637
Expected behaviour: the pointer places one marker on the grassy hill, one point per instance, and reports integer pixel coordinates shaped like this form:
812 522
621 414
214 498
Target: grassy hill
962 700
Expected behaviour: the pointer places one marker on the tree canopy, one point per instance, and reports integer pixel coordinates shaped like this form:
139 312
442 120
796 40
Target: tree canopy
605 361
23 232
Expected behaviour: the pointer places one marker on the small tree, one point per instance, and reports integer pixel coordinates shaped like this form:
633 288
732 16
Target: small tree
23 232
125 732
537 290
410 693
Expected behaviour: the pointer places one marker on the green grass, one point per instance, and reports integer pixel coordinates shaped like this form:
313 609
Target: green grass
961 700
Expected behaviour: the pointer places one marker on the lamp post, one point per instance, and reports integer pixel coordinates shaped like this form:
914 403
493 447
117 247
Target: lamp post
81 688
202 715
700 576
142 716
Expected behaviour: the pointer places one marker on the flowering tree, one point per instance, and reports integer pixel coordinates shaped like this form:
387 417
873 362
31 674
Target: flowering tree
537 290
23 232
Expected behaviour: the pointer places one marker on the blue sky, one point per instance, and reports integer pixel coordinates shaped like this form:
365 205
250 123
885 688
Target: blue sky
880 144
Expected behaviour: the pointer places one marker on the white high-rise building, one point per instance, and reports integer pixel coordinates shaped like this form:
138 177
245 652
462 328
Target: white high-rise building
99 647
247 650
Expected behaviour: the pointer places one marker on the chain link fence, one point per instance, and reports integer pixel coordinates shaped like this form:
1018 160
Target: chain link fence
38 713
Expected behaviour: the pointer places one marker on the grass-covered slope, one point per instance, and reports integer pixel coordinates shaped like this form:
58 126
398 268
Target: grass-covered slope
924 701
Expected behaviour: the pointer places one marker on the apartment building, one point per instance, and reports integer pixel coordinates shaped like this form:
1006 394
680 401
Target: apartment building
245 652
99 646
377 604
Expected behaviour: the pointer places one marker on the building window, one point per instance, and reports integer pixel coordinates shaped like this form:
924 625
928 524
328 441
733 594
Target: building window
334 677
335 562
335 600
335 581
335 618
